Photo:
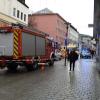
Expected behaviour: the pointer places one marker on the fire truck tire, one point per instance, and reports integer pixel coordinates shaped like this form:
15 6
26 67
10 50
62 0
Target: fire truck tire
12 67
51 62
29 67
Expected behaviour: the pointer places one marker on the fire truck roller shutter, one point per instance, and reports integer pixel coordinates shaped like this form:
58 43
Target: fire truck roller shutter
28 44
40 46
6 44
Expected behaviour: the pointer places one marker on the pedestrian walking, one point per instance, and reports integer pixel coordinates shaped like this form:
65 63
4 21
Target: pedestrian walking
73 56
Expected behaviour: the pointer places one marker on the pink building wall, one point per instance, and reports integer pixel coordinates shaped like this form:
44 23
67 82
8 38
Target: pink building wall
53 24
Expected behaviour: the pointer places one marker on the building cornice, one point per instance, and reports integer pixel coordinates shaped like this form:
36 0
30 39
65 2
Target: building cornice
23 3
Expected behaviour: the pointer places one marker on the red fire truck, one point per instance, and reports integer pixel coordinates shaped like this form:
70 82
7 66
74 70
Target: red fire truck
23 46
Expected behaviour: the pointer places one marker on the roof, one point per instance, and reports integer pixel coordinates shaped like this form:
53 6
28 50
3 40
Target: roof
49 14
46 11
23 2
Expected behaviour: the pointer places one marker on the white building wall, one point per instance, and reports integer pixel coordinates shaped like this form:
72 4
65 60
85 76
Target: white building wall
7 6
73 35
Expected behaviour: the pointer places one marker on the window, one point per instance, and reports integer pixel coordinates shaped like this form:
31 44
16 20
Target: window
24 17
21 16
14 11
18 12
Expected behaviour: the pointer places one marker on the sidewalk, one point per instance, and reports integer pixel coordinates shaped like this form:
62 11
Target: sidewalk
85 80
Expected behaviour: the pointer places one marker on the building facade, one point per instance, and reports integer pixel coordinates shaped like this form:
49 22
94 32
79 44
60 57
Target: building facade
73 36
51 23
13 11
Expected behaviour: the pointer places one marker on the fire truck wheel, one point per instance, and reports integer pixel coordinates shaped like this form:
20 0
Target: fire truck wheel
12 67
29 67
51 62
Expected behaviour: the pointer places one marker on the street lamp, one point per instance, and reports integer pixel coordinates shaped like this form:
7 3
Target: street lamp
66 40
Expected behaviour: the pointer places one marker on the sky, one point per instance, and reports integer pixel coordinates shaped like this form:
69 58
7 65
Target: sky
78 12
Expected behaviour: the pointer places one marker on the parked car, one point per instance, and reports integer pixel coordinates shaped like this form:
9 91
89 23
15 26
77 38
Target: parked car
85 54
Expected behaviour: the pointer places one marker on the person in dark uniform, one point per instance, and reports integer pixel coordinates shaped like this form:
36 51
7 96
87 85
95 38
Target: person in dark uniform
73 56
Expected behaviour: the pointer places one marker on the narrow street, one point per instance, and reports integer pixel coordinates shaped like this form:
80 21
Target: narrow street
54 83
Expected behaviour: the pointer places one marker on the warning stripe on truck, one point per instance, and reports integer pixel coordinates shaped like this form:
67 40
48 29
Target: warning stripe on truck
15 48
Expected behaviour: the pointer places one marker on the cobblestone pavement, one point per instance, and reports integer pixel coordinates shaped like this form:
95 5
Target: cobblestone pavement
54 83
